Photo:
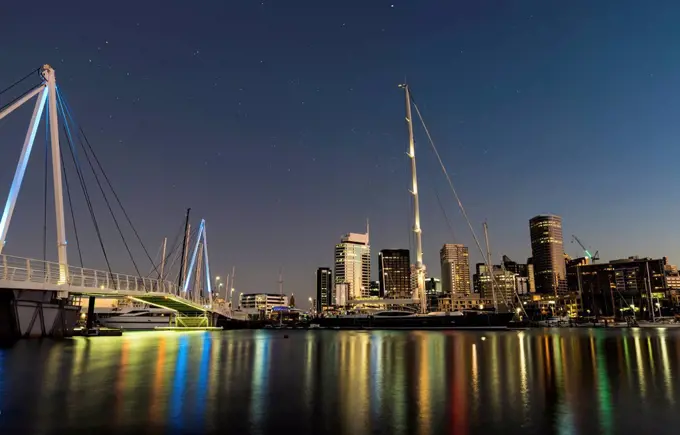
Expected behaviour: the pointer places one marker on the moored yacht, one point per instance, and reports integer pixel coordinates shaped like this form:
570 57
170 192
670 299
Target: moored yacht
136 318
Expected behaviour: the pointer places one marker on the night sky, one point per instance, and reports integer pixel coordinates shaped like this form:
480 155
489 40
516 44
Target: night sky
280 123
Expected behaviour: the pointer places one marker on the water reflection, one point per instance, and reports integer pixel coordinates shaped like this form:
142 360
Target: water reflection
331 382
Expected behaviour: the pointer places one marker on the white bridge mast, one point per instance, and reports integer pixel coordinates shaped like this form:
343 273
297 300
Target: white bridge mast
47 95
420 272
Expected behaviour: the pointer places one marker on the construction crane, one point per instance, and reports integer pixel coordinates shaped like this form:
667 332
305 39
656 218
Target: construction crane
591 257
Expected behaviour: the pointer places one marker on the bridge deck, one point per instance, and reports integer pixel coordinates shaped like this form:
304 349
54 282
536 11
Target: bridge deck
180 305
30 274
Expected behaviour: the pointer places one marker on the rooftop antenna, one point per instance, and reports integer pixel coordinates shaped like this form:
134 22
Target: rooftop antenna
368 232
281 281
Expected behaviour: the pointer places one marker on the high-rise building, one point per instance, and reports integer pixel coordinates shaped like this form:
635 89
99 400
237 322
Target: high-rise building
504 285
514 267
455 263
324 285
394 266
550 272
353 264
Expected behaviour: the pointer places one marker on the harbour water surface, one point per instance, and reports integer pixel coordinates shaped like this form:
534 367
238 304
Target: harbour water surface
344 382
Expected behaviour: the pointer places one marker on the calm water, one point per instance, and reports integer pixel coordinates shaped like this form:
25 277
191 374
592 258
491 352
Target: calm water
332 382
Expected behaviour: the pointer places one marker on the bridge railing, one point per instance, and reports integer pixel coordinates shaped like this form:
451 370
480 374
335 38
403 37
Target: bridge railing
17 269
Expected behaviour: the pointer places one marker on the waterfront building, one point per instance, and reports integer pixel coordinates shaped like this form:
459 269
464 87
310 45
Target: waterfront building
572 272
547 251
324 286
608 288
455 269
260 305
672 275
460 303
394 266
353 264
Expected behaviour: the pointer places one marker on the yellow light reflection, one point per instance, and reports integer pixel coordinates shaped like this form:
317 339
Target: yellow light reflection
666 366
424 405
640 364
155 410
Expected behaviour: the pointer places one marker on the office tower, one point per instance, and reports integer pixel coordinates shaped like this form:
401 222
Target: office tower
394 266
353 264
324 284
503 289
514 267
455 264
550 272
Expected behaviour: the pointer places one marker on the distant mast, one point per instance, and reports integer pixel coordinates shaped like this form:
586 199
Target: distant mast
420 273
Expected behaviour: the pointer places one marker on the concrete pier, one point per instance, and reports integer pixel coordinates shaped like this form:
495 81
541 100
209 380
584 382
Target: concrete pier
35 314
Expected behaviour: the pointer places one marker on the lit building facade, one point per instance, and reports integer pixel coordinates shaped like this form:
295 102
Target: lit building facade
455 268
503 290
607 288
353 264
341 294
547 251
394 267
324 286
260 305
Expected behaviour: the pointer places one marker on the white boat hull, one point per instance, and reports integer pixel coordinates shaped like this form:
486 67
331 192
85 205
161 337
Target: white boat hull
137 323
658 325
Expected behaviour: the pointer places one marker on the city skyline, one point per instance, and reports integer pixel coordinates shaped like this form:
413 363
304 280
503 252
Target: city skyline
250 114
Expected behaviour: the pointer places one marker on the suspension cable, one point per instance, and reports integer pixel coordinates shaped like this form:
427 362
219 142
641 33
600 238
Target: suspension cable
19 81
15 84
106 201
446 216
86 194
70 206
46 169
106 178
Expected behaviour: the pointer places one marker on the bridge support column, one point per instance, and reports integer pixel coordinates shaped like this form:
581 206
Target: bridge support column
90 313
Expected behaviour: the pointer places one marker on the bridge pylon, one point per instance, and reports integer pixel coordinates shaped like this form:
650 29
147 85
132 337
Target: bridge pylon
201 243
46 97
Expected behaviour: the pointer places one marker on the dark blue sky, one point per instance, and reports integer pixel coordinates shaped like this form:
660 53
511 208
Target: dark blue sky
280 123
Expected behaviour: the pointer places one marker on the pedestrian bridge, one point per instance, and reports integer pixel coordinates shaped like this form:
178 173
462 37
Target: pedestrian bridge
18 273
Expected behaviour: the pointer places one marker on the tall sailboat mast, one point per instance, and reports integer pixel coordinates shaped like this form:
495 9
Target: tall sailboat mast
489 267
420 273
